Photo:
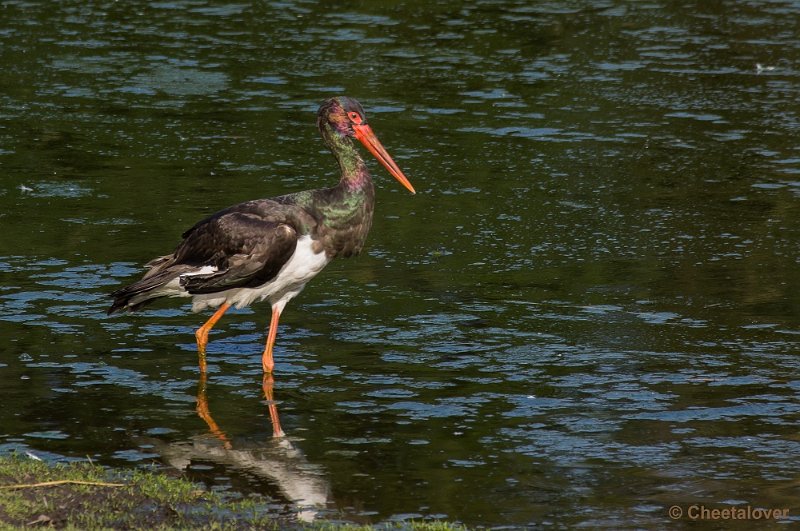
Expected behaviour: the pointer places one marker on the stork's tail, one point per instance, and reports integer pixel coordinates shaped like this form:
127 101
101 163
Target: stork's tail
161 281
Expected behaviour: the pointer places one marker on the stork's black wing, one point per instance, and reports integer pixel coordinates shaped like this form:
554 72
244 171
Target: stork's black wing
245 249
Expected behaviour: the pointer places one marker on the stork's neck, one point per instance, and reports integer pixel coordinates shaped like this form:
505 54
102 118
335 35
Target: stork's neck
343 212
355 175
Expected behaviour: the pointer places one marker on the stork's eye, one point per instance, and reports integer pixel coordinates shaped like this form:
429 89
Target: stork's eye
354 117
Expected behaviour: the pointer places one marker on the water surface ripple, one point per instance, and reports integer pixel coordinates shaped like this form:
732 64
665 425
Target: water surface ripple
589 313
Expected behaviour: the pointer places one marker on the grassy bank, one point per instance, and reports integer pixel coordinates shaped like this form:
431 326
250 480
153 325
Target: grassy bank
87 496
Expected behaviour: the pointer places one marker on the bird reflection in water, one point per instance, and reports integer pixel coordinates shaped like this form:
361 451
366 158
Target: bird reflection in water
203 411
276 459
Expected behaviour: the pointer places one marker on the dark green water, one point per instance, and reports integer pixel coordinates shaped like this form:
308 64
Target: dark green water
590 312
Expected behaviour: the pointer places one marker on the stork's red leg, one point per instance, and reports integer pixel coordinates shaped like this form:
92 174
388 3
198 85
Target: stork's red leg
266 359
202 334
268 364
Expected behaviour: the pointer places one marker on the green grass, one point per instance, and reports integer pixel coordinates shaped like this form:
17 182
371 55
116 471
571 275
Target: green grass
145 500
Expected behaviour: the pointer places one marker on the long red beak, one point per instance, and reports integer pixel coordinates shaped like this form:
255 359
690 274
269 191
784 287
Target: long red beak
367 137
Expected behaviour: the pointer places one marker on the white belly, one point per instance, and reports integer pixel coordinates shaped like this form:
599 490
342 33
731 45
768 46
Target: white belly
290 280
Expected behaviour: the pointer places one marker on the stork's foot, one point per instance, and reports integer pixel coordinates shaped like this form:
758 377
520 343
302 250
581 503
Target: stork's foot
202 341
267 363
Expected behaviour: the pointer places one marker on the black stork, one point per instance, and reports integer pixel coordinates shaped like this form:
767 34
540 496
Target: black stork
270 248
